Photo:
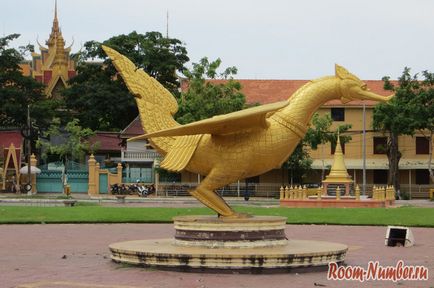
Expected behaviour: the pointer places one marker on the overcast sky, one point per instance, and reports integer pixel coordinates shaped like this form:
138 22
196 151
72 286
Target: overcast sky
273 39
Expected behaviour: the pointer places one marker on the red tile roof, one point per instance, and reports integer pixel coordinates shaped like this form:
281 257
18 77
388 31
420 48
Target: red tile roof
108 141
133 129
8 137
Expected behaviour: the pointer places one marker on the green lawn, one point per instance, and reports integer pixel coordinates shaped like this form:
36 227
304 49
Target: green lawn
407 216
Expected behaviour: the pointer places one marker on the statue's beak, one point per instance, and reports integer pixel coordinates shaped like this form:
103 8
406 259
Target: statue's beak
368 95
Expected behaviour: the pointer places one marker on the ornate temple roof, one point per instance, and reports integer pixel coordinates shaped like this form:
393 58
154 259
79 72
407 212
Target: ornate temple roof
53 66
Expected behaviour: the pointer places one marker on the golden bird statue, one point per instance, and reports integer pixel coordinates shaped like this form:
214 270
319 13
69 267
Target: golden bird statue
233 146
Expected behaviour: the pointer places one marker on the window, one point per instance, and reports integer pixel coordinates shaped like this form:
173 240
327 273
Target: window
422 176
422 145
333 148
380 144
380 176
338 114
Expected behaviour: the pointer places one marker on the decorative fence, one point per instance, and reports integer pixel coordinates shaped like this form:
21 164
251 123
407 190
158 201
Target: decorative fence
267 190
54 175
93 180
49 181
131 175
271 190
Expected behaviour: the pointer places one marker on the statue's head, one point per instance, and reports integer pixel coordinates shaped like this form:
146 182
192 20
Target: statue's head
352 88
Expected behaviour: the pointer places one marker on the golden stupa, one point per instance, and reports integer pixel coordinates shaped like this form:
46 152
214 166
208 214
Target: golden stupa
338 173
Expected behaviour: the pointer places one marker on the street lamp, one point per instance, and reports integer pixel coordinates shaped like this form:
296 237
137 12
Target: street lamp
27 133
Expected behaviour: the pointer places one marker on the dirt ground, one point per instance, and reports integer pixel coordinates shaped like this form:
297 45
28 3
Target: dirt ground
76 255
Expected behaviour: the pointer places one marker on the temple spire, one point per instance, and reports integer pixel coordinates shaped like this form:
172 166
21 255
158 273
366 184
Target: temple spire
55 10
167 24
55 30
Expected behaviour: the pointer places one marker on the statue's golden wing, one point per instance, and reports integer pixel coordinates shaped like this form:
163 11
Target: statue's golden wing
248 119
155 103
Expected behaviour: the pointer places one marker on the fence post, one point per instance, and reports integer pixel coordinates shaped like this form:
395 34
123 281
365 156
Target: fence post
33 163
119 171
338 193
238 188
357 193
157 183
91 180
97 178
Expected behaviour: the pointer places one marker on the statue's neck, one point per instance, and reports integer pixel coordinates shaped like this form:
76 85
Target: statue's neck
307 99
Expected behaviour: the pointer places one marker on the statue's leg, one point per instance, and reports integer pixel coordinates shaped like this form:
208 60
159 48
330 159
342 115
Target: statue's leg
206 194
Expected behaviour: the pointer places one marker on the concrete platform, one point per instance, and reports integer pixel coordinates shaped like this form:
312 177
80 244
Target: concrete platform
162 253
208 242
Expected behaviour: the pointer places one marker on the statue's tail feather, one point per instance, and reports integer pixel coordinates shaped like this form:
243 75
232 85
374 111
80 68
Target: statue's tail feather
156 105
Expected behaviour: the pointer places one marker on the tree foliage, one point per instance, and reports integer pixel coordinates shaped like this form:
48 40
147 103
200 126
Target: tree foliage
411 110
206 95
100 98
17 91
319 132
299 163
68 143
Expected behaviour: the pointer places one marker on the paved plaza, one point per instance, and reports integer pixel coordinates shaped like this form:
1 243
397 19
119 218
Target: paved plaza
76 255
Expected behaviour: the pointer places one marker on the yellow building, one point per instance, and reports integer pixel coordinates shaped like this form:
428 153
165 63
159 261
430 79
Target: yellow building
53 66
413 166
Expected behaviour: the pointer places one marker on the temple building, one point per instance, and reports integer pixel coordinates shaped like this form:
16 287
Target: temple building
53 66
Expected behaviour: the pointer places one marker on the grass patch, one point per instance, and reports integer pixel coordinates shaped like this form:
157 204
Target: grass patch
86 203
90 213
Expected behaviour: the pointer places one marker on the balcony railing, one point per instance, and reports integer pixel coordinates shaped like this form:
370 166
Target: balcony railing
144 156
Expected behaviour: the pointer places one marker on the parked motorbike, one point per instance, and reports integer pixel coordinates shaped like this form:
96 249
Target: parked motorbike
151 189
132 189
122 189
115 189
143 190
135 188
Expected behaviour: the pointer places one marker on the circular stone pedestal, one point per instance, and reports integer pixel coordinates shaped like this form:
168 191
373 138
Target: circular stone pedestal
214 232
204 242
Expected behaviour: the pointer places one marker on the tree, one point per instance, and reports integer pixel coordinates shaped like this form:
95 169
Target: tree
205 97
72 143
299 163
100 99
209 93
409 111
423 107
17 91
